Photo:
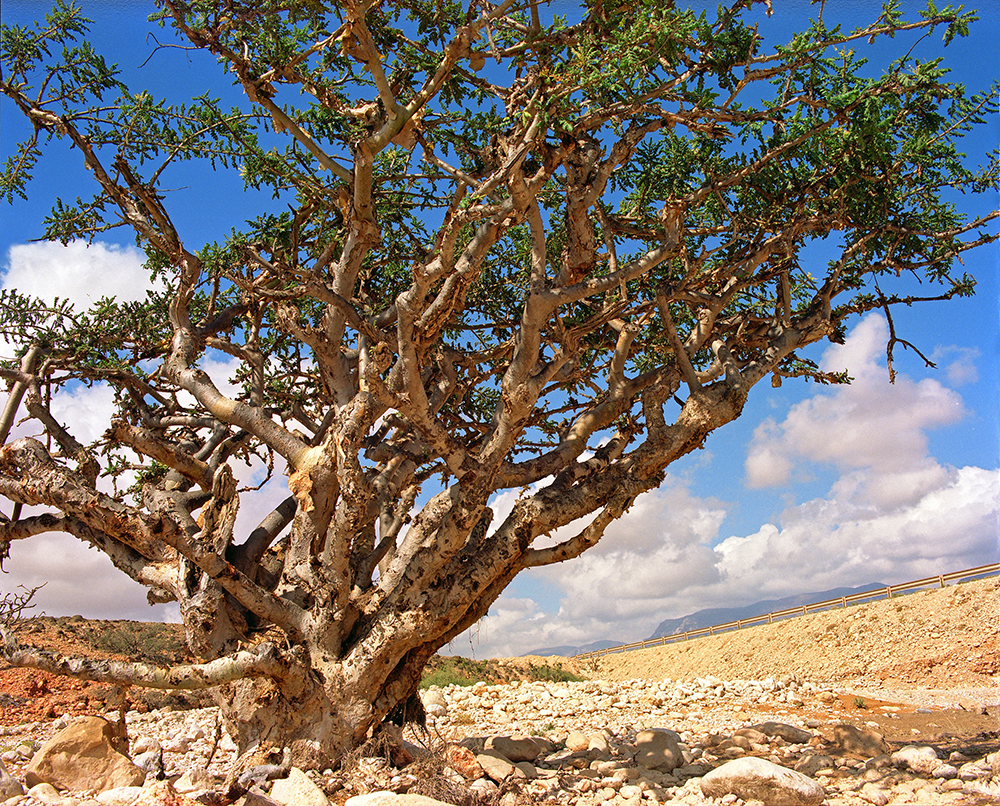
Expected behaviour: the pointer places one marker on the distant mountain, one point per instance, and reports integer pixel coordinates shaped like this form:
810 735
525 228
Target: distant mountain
569 651
723 615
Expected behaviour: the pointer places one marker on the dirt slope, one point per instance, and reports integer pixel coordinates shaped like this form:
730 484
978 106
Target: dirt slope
945 639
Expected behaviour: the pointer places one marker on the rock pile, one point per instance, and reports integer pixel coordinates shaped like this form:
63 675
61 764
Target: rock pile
590 743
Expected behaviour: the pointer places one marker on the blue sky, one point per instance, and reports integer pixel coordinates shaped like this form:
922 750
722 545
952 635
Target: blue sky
814 487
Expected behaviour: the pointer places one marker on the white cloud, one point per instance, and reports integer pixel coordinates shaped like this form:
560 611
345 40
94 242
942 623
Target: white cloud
846 540
78 580
78 272
869 423
959 363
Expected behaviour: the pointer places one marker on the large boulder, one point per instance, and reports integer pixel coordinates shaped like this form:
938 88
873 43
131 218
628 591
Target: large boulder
83 756
658 750
868 743
757 779
919 758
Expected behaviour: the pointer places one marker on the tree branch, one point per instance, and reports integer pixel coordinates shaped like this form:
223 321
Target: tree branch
263 660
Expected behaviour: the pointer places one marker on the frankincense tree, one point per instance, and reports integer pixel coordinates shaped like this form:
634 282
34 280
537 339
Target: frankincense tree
505 252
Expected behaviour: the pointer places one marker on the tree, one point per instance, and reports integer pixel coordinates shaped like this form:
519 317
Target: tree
502 255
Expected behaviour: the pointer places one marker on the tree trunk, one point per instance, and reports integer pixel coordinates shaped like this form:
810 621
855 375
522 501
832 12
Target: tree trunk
316 723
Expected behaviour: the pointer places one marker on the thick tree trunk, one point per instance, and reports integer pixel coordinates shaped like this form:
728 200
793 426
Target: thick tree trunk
318 715
316 723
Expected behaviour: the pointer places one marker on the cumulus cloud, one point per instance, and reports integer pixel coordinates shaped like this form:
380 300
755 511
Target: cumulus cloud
77 580
842 540
80 272
869 423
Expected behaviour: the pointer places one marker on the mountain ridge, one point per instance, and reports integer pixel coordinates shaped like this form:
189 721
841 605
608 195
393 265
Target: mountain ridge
709 617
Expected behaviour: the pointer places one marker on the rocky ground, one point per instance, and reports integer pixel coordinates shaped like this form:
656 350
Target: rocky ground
888 703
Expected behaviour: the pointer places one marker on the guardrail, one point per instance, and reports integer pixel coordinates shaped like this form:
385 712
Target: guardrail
769 618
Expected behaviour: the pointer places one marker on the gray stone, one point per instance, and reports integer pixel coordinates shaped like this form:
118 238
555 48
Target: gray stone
658 750
874 794
517 748
527 769
120 796
867 743
10 787
495 765
256 798
392 799
751 735
434 703
789 733
811 764
151 762
47 794
196 779
757 779
144 744
597 744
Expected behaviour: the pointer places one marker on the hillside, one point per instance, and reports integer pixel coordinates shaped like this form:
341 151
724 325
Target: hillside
945 640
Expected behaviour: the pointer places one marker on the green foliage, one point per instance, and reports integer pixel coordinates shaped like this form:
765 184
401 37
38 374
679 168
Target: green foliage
552 673
457 671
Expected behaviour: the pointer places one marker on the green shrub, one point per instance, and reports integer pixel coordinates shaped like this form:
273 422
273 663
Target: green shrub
552 674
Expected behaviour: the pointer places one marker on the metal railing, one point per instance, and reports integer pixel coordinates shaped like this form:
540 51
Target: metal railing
769 618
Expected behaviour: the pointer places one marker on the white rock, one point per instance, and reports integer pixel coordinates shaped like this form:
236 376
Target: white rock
144 744
757 779
196 779
47 794
298 789
917 758
119 796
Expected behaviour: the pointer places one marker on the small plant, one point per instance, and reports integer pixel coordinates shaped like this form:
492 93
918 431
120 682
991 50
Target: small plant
456 671
13 605
462 718
860 703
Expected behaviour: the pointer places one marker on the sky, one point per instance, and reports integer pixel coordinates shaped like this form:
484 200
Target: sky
812 488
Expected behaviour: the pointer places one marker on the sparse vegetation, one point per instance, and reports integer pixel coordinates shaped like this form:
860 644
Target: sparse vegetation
13 605
455 672
553 674
458 671
155 643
